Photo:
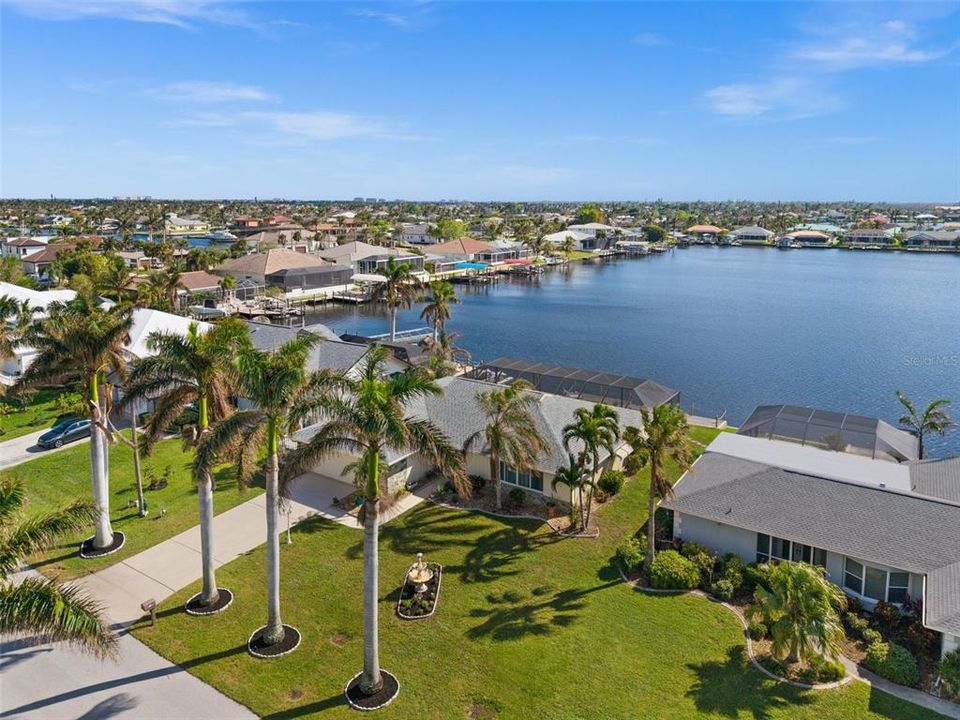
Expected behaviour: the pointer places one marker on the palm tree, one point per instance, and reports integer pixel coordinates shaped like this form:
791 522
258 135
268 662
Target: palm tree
437 309
569 246
400 289
596 429
196 368
445 357
277 385
369 417
511 434
161 288
934 418
575 477
38 607
17 321
81 339
664 436
801 610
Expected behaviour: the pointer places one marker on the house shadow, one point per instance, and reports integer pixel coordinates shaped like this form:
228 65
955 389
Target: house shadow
733 688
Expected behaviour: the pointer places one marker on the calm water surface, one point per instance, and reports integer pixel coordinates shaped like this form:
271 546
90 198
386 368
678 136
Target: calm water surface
731 328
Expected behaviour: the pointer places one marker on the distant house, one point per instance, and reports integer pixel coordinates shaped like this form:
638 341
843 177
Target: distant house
14 366
20 247
807 238
705 233
175 225
882 530
333 233
868 236
417 234
934 239
256 267
752 235
245 222
135 259
349 253
376 264
37 264
466 249
295 238
581 240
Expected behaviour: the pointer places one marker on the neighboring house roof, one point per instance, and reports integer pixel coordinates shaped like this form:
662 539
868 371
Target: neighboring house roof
808 234
352 251
937 478
860 519
935 235
48 254
268 262
267 337
868 232
752 230
199 280
24 242
462 246
713 229
147 321
272 235
831 430
37 298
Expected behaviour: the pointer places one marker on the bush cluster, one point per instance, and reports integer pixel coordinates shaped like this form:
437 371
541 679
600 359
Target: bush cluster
950 670
700 556
871 636
722 589
610 482
517 497
672 571
856 623
826 671
757 631
756 575
631 553
893 662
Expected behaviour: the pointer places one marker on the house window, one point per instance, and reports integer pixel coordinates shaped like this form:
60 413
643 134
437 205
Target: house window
774 548
521 478
853 576
875 584
899 587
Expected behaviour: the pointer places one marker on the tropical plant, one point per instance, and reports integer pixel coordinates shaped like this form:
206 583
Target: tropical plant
511 434
81 340
801 609
368 417
445 357
595 429
664 437
933 419
575 476
279 388
37 607
160 290
17 320
195 368
569 246
400 288
437 309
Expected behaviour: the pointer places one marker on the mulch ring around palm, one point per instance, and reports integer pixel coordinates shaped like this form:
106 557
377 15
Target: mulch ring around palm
88 551
258 648
195 607
383 697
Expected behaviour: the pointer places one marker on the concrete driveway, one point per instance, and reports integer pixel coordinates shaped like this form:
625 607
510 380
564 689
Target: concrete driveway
24 448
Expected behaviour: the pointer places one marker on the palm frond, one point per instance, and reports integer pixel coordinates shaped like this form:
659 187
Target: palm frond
42 532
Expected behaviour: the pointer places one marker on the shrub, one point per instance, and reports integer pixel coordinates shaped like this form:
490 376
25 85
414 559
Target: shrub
671 571
700 556
807 675
886 615
856 623
921 640
722 589
756 575
854 605
950 670
825 670
871 636
631 553
777 667
893 662
517 496
757 631
477 482
610 482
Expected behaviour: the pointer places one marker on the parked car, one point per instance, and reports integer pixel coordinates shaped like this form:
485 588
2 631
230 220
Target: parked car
64 432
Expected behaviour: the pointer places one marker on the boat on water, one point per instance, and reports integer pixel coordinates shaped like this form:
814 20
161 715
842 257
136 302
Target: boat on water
221 236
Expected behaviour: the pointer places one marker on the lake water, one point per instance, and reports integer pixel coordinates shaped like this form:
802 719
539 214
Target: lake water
731 328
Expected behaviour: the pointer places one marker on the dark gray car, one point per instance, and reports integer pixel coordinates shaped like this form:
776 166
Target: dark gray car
64 432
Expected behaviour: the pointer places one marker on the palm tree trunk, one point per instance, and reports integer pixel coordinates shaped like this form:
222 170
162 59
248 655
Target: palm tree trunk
393 323
136 458
495 476
651 512
593 476
103 535
371 680
274 631
209 594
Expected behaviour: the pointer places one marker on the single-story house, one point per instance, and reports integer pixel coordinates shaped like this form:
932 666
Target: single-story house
175 225
581 240
868 236
941 239
807 238
377 264
705 233
752 235
285 237
417 234
467 249
305 279
257 266
349 253
455 412
135 259
882 530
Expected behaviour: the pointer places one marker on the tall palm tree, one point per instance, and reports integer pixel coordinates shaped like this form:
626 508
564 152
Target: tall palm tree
569 246
160 290
369 417
17 321
196 368
575 476
400 289
511 434
664 437
595 429
801 610
278 386
79 339
445 357
437 309
934 418
38 607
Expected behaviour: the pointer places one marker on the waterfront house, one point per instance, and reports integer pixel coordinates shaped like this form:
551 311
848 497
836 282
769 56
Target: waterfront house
245 222
882 530
257 266
377 264
293 237
175 225
864 237
581 240
934 239
752 235
466 249
20 247
417 234
708 234
350 253
456 413
806 238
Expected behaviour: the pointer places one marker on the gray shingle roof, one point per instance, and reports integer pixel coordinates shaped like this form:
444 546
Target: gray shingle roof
937 478
904 531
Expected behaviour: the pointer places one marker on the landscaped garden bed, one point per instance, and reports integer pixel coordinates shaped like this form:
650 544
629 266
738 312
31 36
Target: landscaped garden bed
418 600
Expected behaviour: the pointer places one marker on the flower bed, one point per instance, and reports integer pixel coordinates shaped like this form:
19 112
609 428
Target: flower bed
414 606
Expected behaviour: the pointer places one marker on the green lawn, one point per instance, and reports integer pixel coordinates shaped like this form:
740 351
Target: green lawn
55 479
528 626
40 413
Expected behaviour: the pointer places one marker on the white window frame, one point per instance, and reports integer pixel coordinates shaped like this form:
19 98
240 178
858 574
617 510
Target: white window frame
790 545
863 581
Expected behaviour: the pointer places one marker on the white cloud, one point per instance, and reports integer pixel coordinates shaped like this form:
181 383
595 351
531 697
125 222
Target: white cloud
321 124
394 19
203 91
781 99
874 44
648 39
179 13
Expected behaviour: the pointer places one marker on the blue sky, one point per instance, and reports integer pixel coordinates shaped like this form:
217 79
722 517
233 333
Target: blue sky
525 101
